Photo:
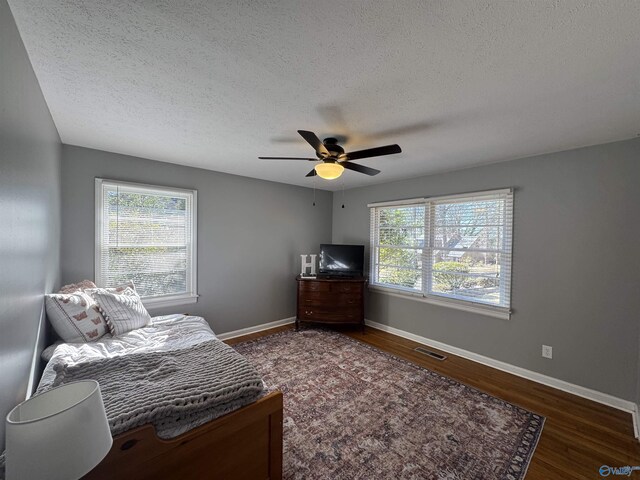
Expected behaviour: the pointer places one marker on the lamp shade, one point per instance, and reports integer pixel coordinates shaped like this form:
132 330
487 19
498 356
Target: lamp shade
60 434
329 171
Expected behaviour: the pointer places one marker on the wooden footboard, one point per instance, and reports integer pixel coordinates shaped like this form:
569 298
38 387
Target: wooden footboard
245 444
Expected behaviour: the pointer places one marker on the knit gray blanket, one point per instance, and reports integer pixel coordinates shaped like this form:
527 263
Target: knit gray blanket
171 390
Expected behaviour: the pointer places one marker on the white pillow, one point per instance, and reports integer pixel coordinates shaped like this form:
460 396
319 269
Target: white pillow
74 287
118 289
75 317
123 311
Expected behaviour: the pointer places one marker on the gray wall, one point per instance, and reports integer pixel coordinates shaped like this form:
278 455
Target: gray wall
250 233
637 399
576 280
29 214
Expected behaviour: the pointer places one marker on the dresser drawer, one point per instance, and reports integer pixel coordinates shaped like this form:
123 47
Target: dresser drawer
328 314
311 286
345 300
312 301
329 299
347 287
315 295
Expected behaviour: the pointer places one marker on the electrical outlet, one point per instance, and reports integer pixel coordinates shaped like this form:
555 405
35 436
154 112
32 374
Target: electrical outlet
547 351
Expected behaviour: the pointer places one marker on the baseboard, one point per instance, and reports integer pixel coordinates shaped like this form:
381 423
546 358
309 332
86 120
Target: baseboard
257 328
603 398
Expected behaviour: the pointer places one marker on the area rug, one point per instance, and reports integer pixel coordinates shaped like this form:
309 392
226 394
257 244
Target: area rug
352 411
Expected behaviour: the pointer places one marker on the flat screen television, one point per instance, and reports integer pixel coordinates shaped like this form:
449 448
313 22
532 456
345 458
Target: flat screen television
341 260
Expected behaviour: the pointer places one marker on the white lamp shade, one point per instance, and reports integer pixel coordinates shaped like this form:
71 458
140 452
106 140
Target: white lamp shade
329 171
60 434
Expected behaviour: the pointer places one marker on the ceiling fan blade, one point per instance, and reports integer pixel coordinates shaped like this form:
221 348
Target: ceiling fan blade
312 173
288 158
371 152
360 168
313 140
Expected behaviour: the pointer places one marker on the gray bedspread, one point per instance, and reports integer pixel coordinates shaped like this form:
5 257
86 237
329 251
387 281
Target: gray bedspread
174 390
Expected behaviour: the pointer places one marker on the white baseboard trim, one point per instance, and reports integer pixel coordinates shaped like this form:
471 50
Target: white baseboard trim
257 328
603 398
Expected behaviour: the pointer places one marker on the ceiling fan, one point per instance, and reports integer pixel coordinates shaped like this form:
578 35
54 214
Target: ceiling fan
333 159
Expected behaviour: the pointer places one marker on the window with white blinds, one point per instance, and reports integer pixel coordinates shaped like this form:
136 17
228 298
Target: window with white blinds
147 234
455 248
397 246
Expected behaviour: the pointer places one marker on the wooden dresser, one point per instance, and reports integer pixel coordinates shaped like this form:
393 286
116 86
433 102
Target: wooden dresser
331 300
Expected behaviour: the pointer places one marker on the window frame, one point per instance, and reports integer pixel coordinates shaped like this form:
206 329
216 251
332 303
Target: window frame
155 301
426 294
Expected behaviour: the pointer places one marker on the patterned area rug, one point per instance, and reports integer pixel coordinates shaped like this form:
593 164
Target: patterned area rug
352 411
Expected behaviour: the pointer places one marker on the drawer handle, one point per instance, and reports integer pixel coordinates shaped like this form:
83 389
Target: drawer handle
128 444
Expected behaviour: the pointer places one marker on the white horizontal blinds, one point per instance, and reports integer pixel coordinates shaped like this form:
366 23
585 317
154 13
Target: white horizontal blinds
373 242
146 237
470 248
397 241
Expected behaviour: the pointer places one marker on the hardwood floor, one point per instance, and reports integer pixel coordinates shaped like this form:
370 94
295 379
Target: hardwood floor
579 435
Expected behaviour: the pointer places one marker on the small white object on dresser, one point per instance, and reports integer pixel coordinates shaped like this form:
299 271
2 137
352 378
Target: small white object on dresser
306 264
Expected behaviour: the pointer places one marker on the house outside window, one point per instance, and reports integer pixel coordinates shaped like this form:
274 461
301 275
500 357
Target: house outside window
451 250
147 234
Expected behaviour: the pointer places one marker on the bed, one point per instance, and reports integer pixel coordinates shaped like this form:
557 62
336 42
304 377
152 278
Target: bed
237 440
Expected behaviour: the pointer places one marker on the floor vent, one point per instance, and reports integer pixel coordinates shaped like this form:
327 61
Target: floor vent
435 355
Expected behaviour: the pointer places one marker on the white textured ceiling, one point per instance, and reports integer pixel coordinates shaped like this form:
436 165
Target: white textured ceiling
214 84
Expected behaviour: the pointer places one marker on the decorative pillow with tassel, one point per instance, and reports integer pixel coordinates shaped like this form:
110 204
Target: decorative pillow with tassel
123 310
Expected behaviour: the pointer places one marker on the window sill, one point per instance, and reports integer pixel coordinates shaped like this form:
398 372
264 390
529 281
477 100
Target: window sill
495 312
169 300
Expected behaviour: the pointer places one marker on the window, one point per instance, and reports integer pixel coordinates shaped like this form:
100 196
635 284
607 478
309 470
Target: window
147 234
398 234
453 250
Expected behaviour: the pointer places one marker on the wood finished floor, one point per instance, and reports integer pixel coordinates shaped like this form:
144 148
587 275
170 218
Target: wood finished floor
579 435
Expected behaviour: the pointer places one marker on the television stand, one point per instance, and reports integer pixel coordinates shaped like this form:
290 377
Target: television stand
331 300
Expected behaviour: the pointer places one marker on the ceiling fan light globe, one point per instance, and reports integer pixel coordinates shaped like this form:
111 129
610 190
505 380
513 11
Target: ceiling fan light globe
329 171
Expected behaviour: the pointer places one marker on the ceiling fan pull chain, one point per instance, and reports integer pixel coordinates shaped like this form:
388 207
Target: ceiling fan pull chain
342 193
314 191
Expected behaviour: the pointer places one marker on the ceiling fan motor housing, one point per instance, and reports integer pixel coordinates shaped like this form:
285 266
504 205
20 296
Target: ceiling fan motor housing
331 144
